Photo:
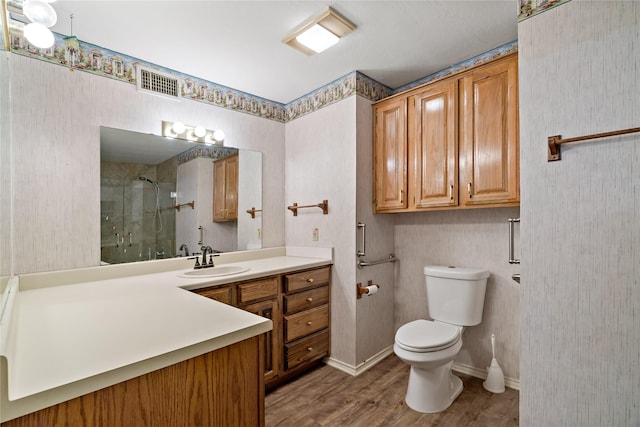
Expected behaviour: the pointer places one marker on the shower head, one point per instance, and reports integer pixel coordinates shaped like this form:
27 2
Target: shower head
144 178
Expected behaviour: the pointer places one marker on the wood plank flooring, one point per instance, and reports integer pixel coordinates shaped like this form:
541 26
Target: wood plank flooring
328 397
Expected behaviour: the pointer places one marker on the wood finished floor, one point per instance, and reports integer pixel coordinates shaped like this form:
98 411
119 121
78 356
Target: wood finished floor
328 397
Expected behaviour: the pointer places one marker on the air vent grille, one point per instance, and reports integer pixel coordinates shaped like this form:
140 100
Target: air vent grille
159 83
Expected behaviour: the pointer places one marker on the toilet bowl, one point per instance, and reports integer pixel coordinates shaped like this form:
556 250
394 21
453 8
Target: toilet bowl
456 298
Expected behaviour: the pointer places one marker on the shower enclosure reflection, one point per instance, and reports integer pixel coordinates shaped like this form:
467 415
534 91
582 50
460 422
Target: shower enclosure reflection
137 223
142 180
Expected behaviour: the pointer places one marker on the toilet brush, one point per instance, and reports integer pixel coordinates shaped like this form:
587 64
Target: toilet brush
495 378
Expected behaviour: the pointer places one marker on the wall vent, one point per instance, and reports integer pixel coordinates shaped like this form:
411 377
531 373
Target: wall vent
156 82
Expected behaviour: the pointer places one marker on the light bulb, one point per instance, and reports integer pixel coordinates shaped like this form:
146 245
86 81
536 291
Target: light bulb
40 12
218 135
199 131
38 35
178 128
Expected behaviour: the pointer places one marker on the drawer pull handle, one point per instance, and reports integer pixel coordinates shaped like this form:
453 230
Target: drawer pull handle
310 299
309 323
310 280
309 348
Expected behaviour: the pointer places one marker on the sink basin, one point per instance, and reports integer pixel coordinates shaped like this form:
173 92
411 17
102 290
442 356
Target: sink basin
221 270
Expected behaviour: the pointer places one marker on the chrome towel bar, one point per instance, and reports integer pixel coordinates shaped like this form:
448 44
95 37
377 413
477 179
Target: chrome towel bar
362 263
512 260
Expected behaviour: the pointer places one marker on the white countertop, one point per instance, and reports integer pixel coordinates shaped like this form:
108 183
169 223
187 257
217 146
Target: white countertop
72 339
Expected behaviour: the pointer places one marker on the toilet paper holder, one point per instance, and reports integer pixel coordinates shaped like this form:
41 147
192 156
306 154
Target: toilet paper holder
368 290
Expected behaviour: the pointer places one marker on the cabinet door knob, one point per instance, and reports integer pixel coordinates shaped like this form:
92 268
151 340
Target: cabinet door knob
309 348
310 280
309 323
310 299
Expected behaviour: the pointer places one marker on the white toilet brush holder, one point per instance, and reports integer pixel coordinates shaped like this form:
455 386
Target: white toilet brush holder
495 378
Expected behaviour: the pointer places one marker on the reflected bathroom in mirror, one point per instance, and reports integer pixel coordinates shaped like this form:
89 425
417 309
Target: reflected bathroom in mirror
147 186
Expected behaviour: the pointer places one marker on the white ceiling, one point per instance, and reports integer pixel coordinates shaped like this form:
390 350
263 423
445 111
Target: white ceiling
238 43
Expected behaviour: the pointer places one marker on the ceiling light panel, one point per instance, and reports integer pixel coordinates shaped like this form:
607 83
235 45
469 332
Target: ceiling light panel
329 25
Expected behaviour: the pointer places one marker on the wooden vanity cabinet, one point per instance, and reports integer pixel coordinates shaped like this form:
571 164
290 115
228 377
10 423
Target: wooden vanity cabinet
225 189
261 297
458 139
307 314
298 304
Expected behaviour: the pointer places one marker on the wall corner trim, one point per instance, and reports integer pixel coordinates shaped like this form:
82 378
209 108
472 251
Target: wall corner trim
354 371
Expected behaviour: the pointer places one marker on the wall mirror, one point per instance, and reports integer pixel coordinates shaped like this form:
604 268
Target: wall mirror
157 197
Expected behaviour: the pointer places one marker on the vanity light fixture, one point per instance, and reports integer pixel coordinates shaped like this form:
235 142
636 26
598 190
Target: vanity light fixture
319 33
192 133
42 16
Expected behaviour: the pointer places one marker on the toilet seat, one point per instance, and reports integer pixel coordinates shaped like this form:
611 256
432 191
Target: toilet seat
423 336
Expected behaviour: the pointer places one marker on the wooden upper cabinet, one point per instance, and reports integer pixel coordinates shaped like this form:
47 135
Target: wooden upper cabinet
433 146
390 155
489 148
225 189
452 144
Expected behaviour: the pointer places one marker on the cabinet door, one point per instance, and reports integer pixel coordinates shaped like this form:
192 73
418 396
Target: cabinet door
433 146
219 178
271 310
489 148
390 155
225 189
231 188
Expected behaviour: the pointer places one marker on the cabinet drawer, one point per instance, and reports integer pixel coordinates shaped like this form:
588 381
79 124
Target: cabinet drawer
307 279
305 300
308 348
305 322
259 289
222 294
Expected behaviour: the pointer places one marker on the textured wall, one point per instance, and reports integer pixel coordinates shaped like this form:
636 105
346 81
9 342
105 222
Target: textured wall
56 116
320 159
469 238
580 320
5 167
374 314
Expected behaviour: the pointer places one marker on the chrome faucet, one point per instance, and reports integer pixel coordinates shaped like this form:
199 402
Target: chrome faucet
184 248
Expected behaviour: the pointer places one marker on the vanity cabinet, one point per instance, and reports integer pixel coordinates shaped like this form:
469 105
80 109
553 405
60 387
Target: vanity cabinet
225 189
298 304
458 143
261 297
307 315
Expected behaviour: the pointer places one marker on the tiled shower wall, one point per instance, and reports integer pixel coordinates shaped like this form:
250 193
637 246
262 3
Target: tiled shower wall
579 75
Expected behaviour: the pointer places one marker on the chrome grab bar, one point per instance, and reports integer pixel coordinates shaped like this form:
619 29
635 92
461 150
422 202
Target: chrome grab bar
363 227
512 260
201 228
392 258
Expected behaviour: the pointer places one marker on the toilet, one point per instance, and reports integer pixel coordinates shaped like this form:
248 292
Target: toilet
455 298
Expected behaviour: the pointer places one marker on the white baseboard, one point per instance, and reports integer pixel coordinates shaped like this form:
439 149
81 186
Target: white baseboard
372 361
482 374
362 367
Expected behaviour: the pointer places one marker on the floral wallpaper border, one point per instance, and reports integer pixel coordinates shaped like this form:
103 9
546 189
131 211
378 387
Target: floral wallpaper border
499 51
82 56
206 151
528 8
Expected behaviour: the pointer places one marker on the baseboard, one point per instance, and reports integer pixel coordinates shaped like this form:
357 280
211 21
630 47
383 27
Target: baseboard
372 361
482 374
362 367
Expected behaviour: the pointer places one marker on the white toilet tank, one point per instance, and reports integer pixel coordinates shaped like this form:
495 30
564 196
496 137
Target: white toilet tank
456 295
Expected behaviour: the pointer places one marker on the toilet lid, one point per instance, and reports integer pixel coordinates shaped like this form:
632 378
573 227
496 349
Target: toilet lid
425 336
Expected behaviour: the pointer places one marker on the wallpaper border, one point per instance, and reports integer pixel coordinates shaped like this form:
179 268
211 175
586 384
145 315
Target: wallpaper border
78 55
